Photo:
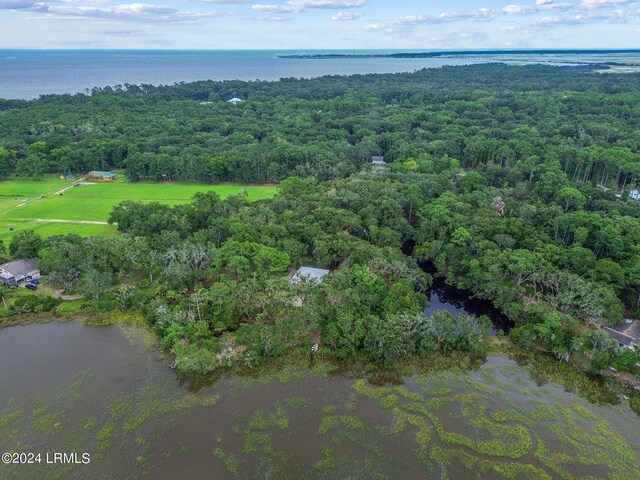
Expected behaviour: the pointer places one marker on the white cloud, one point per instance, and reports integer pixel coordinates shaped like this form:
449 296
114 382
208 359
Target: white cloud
275 8
515 22
131 12
614 16
29 5
540 6
346 16
226 2
296 6
595 4
402 24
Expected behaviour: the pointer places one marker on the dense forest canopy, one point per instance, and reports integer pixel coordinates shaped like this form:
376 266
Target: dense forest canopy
514 182
485 115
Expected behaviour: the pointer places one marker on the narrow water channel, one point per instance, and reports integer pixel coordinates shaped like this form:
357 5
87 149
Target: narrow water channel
455 301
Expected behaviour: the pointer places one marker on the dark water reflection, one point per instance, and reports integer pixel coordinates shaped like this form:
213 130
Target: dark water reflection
455 301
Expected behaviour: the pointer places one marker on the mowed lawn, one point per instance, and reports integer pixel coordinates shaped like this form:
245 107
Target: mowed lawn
31 205
14 192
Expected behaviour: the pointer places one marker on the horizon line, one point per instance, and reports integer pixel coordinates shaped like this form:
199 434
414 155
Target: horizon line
400 50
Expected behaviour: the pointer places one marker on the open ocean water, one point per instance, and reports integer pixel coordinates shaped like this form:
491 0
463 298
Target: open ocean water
27 74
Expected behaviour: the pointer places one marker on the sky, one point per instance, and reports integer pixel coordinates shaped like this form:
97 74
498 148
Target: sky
319 24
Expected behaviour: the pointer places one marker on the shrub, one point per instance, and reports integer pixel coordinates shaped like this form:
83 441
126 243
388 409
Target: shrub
35 303
523 336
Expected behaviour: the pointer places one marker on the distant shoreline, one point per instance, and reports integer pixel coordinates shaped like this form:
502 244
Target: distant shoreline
28 74
452 53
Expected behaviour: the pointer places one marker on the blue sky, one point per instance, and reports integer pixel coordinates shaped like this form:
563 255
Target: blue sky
321 24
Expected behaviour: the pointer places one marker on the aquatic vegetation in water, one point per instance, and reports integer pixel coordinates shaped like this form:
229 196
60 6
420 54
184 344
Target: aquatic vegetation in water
370 391
278 416
297 402
137 332
329 408
389 401
351 403
404 393
594 442
327 461
8 417
229 460
470 467
42 420
490 423
342 422
497 419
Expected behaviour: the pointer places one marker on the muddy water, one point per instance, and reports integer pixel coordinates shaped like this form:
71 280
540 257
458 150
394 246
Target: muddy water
108 392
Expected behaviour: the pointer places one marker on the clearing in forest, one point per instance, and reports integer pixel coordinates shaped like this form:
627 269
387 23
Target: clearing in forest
84 209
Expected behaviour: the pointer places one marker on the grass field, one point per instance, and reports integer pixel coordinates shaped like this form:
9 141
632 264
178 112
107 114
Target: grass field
34 205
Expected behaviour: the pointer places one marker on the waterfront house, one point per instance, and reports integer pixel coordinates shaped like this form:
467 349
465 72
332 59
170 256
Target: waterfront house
16 271
307 275
626 333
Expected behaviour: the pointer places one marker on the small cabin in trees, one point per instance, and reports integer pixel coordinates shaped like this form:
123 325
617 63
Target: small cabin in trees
307 275
378 162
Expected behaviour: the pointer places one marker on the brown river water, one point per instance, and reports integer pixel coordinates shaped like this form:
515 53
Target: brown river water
108 392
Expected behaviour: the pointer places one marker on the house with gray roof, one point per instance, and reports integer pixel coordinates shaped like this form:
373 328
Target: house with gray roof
626 333
14 272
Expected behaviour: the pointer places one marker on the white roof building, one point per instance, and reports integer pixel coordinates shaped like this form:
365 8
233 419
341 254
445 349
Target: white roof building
235 100
309 274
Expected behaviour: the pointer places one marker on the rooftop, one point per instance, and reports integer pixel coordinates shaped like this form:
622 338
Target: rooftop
309 273
20 268
97 174
626 332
